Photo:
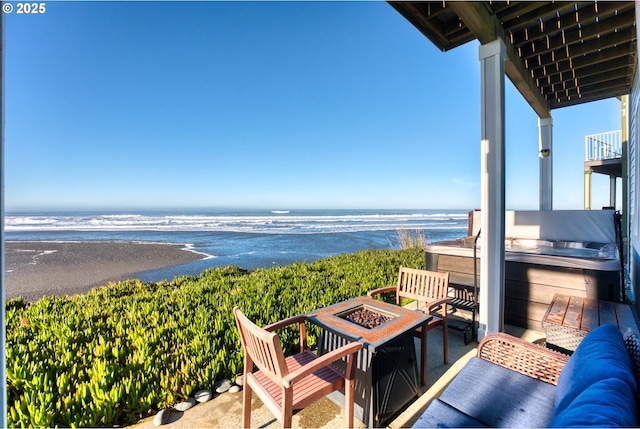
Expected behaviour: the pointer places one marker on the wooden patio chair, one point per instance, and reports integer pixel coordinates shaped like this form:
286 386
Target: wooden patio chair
285 384
430 290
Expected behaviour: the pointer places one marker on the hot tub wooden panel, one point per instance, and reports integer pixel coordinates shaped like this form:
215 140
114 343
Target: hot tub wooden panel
529 287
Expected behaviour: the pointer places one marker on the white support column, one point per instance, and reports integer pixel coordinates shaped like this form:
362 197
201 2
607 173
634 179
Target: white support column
545 133
587 189
3 284
492 58
612 191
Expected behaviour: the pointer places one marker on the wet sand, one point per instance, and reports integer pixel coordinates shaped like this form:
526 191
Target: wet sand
35 268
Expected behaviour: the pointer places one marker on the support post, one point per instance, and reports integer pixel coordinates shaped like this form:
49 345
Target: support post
492 57
3 284
612 191
625 167
545 134
587 189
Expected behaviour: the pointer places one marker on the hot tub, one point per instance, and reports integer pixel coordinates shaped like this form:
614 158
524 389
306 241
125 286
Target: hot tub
576 255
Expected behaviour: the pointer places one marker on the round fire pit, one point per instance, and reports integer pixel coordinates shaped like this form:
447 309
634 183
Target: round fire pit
366 318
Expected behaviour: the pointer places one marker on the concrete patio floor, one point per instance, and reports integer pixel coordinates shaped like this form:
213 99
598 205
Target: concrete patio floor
225 410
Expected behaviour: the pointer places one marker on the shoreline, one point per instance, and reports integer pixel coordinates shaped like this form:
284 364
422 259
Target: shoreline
34 269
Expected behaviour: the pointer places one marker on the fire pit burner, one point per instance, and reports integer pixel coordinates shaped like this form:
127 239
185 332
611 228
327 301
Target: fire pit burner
365 317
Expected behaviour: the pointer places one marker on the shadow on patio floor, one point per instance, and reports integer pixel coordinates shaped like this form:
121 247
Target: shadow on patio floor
225 410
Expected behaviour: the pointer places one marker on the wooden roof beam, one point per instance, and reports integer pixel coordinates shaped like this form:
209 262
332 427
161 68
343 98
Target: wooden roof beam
599 95
601 58
433 9
479 20
587 90
412 12
486 28
602 45
507 12
620 82
459 36
435 22
594 79
571 39
559 78
548 13
585 16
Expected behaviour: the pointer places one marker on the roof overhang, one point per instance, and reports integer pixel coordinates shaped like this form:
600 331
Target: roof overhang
558 53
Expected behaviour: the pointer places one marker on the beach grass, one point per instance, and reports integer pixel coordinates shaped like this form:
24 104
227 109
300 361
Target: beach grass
411 239
125 350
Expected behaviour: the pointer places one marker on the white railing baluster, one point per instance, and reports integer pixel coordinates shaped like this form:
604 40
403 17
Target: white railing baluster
603 146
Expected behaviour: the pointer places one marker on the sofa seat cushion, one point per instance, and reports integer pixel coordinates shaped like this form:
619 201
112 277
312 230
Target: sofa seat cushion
596 387
499 397
441 415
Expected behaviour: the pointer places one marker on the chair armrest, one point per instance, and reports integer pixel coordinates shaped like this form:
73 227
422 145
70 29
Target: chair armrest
378 291
322 361
521 356
286 322
439 302
302 329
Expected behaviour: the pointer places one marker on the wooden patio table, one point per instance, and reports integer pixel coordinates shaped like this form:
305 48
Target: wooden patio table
570 318
387 371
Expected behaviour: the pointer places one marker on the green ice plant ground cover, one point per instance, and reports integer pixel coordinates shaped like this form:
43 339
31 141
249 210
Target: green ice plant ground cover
128 349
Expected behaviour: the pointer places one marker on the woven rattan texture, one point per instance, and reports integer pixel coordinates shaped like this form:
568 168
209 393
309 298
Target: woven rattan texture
562 336
632 342
526 358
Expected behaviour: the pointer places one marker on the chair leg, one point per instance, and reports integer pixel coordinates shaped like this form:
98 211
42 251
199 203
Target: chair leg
287 420
445 341
349 393
246 405
287 407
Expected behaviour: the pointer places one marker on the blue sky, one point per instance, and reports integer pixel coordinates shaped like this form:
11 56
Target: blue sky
136 105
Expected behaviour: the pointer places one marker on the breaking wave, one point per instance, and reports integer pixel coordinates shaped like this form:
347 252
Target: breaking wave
273 222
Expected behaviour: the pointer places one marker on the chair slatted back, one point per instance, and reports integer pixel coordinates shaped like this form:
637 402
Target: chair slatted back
421 285
262 348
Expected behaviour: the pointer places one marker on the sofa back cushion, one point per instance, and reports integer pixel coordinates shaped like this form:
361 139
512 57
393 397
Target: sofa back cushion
596 387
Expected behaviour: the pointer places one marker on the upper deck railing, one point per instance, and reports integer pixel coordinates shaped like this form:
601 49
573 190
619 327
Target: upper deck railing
603 146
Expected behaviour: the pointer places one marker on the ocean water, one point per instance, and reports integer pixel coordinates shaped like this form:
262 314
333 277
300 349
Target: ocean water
248 238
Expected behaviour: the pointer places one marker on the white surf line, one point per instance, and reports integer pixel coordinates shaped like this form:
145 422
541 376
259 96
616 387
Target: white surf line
43 253
36 257
190 248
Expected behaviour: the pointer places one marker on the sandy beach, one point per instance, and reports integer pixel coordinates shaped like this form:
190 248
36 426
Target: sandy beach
35 268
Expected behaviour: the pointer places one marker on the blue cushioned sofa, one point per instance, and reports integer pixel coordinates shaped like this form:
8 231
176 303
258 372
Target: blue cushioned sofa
513 383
